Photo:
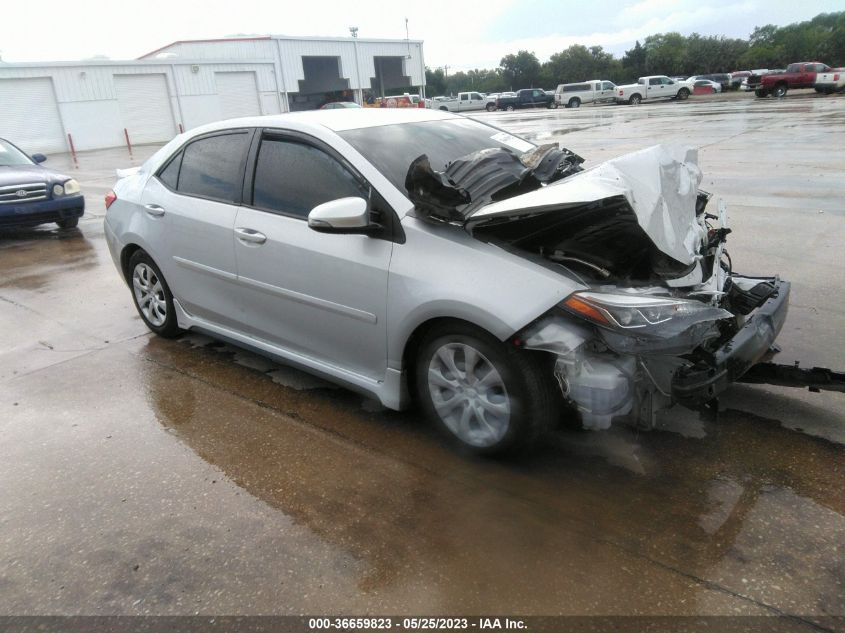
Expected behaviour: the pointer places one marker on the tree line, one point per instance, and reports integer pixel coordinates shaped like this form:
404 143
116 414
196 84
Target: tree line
820 39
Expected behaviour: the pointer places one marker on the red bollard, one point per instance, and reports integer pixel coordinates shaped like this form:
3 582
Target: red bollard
72 149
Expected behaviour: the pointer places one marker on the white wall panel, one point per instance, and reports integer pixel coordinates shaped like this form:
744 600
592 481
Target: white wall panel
29 115
200 109
93 124
238 94
145 108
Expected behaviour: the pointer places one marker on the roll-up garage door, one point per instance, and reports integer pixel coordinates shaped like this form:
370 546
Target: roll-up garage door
145 107
238 94
29 115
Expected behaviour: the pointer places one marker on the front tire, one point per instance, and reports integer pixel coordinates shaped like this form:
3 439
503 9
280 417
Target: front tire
489 397
491 107
152 296
68 223
552 105
760 93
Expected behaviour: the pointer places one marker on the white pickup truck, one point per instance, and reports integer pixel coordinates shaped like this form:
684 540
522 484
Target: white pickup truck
592 91
831 81
466 102
653 87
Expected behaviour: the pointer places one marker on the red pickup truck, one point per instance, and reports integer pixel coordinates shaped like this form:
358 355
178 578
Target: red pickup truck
800 75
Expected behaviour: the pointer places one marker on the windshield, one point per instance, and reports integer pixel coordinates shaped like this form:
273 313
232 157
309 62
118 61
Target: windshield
392 148
11 155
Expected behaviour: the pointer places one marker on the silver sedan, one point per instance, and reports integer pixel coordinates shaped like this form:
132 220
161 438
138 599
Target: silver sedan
419 256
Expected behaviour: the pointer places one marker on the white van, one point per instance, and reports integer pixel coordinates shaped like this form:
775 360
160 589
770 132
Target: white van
593 91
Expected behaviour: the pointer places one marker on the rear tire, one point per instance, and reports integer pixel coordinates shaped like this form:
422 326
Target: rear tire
574 102
635 100
68 223
779 92
491 107
489 397
152 296
510 108
552 105
759 92
683 94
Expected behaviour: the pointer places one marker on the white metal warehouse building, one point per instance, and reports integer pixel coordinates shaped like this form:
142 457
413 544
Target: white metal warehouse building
44 107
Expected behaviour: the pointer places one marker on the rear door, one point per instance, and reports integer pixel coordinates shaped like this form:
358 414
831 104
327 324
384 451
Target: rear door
192 203
318 294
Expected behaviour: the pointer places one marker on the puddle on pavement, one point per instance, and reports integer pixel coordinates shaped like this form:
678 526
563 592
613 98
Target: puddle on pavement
694 495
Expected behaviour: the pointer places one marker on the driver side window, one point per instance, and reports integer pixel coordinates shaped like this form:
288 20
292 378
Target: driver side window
293 177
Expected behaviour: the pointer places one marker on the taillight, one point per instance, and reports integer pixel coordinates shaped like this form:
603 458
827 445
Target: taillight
836 77
621 92
111 196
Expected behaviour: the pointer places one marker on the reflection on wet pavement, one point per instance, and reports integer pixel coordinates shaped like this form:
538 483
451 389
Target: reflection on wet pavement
143 475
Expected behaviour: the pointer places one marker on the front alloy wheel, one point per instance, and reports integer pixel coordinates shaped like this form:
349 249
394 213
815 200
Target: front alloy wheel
469 395
488 396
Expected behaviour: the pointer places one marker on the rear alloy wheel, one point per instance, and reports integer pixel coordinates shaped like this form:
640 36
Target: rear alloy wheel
152 296
779 91
491 107
68 223
490 397
635 100
683 94
552 105
510 108
574 102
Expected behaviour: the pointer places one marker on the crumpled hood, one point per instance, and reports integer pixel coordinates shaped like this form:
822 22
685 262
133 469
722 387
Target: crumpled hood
660 184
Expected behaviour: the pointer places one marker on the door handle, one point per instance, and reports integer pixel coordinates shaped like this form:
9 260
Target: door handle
154 210
250 235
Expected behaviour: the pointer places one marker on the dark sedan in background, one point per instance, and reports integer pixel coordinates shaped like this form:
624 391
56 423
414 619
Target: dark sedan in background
31 194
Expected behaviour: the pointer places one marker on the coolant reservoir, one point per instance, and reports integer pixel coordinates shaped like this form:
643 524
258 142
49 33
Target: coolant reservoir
601 388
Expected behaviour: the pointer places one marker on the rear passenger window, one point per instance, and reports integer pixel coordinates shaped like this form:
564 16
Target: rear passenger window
170 174
212 167
292 178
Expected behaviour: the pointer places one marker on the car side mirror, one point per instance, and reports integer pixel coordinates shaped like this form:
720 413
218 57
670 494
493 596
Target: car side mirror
38 158
344 215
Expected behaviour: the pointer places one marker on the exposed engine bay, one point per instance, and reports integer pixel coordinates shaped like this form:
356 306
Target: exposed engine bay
662 318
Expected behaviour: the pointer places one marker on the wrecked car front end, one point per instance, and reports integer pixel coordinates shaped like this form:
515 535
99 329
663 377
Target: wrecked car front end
660 317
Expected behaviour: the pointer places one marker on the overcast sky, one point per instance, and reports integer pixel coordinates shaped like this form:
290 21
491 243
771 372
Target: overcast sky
463 34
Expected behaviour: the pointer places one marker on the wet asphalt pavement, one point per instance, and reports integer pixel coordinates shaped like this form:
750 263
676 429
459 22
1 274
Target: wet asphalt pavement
150 476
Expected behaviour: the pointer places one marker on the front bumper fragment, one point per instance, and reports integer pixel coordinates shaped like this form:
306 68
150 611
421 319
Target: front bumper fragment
697 385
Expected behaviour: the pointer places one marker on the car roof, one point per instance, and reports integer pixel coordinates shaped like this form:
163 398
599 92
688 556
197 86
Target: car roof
337 120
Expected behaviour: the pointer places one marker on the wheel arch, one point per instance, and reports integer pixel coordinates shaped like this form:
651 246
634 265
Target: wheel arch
418 334
125 255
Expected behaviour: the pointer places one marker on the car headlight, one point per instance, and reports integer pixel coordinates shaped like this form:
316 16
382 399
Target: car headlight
71 186
641 314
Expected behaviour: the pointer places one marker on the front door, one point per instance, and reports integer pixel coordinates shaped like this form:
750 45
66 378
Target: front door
318 294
